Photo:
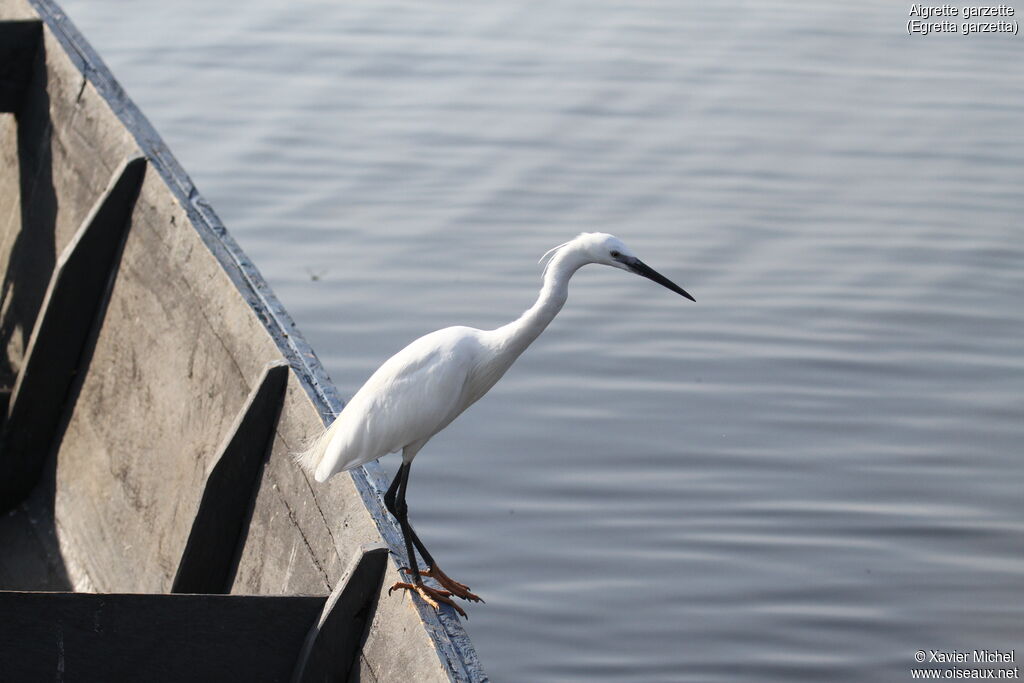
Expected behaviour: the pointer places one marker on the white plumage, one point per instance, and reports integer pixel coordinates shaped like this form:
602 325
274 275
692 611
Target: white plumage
411 397
417 392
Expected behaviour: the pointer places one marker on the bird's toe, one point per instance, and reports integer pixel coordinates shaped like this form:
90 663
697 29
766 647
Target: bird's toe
432 596
450 585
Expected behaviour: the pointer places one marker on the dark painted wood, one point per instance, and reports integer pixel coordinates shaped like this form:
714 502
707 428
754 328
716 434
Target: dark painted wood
209 561
96 637
78 288
19 41
332 645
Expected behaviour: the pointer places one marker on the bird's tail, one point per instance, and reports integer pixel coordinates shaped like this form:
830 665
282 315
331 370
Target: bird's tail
311 457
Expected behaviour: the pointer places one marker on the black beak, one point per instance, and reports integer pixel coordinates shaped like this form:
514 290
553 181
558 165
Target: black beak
641 268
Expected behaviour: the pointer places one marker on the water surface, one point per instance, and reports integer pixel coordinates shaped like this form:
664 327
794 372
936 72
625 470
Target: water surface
810 474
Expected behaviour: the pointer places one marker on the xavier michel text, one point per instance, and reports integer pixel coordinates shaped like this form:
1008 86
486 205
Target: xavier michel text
973 656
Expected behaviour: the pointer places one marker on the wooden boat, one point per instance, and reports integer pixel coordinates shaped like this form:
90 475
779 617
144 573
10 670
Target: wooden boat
152 389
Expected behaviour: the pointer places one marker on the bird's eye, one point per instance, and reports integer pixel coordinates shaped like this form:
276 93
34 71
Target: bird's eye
615 254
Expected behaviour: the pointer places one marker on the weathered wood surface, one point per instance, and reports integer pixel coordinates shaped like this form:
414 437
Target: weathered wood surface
55 352
60 149
94 638
209 560
90 637
333 642
173 363
184 338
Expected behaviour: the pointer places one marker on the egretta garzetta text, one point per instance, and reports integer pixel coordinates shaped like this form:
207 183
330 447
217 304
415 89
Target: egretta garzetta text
418 392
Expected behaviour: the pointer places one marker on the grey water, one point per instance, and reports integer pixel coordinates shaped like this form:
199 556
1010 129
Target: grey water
813 472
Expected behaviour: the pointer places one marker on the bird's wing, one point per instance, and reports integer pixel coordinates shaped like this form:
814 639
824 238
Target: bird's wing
411 397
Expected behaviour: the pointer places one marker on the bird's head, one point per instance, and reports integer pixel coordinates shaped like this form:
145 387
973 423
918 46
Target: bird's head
609 250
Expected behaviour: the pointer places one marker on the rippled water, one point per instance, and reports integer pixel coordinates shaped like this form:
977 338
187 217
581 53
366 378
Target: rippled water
810 474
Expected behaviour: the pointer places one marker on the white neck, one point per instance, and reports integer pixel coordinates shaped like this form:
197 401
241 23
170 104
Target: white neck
514 337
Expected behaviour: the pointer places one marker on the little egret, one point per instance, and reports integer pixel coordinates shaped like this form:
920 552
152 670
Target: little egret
417 392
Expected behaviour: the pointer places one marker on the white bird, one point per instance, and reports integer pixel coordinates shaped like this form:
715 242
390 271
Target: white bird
418 392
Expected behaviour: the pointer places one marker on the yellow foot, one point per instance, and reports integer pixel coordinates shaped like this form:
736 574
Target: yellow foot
451 586
431 596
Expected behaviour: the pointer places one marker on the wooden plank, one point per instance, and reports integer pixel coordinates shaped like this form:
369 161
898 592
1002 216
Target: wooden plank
60 150
27 250
76 295
332 645
158 638
209 561
30 558
177 354
19 41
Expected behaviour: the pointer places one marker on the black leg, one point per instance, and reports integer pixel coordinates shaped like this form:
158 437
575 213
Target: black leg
394 500
419 546
392 504
389 497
